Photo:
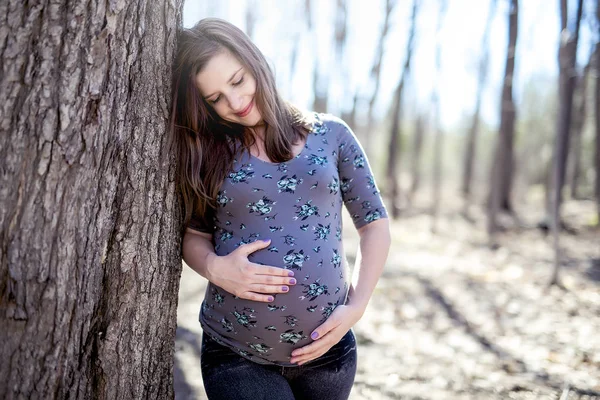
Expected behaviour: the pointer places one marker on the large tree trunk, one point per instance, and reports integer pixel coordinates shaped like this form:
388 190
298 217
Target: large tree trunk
502 166
567 60
90 260
394 143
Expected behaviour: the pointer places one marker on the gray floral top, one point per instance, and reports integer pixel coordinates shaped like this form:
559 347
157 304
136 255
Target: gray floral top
297 204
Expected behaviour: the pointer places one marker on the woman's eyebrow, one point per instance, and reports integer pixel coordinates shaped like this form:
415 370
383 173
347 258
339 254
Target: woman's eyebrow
230 79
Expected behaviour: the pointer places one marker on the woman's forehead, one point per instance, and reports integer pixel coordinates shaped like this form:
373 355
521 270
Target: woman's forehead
218 72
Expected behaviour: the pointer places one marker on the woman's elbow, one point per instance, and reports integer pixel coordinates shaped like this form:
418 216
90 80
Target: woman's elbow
379 228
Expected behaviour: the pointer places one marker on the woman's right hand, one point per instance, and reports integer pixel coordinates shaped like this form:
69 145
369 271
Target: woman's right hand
245 279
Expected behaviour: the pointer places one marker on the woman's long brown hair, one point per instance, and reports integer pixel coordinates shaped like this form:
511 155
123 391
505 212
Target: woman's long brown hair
205 145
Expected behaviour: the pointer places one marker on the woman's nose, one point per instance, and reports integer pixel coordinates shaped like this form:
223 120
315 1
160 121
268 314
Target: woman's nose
235 103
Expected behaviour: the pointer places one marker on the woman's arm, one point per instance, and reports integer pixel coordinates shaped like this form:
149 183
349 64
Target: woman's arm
372 253
197 248
371 256
233 272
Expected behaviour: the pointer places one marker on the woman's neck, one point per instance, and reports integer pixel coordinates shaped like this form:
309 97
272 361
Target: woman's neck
258 131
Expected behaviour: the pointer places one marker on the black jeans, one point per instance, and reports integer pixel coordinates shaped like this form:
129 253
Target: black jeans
228 375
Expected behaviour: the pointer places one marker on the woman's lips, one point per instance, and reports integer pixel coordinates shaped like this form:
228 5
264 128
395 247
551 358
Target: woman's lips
246 110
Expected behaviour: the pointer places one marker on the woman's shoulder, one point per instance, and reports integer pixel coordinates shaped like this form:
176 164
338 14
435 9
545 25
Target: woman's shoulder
323 123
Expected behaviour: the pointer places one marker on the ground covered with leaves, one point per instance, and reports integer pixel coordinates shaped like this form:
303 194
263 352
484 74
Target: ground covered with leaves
453 319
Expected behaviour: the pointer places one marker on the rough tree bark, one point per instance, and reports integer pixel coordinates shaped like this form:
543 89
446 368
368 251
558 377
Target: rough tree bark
567 60
471 146
394 143
499 195
90 260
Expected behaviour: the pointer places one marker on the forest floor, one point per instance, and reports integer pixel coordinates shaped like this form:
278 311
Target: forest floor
453 319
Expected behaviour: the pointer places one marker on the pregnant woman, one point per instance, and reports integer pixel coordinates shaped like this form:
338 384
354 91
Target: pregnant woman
263 186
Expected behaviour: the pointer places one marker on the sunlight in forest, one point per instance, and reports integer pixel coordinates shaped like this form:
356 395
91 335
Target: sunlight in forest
464 308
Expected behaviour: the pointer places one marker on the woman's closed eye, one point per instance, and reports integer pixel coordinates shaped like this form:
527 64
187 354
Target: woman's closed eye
239 82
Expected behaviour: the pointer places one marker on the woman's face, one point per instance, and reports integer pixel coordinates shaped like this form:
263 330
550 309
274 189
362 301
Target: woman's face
229 88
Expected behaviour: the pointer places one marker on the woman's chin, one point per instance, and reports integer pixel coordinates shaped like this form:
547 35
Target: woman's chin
252 122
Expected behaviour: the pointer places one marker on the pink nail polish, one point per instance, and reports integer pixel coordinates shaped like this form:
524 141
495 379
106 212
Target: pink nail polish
314 335
291 273
292 281
285 288
271 298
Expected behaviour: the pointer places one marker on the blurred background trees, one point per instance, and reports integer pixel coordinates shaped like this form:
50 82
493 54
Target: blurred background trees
494 102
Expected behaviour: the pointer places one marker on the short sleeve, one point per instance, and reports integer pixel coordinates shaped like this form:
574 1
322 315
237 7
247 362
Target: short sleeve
200 224
357 183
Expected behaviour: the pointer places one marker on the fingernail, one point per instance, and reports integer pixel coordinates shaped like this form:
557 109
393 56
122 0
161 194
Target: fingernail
314 335
291 273
292 281
271 298
285 288
266 240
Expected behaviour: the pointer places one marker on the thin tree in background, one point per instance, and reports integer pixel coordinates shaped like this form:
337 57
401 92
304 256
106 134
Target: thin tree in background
469 159
376 71
91 231
251 17
342 76
308 13
597 113
436 123
341 28
320 84
320 91
353 119
579 116
394 144
567 59
499 195
415 161
293 58
350 116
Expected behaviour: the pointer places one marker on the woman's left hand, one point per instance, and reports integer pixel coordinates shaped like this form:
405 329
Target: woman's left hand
328 334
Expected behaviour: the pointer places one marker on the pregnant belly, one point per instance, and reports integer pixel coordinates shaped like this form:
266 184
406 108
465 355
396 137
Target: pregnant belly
267 333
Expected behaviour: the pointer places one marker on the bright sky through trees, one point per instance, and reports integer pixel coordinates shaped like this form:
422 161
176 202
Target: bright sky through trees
281 23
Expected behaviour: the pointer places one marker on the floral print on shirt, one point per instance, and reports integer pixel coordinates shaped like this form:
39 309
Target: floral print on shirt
297 204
